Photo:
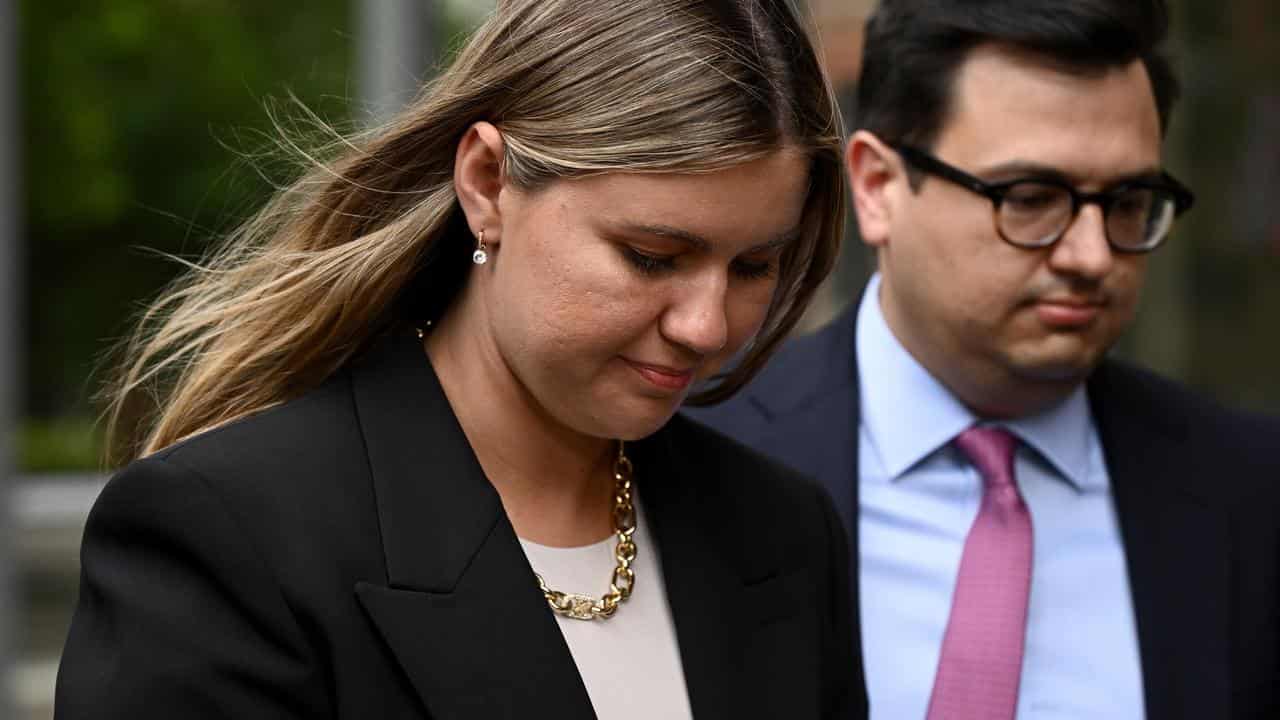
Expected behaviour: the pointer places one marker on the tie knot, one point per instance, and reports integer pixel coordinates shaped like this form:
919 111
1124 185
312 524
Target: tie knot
990 449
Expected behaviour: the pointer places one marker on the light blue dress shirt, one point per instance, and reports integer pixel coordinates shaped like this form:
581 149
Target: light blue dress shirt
918 497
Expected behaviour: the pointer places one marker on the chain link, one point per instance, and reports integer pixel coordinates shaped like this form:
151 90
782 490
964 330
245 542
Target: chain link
585 607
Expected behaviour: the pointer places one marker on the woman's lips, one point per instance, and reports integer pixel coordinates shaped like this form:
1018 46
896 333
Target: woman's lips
663 377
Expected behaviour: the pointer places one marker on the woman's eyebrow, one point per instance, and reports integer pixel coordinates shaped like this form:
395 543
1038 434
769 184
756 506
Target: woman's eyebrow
698 242
667 232
777 242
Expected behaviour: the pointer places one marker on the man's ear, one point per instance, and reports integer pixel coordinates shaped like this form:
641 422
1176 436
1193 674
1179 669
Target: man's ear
873 168
478 179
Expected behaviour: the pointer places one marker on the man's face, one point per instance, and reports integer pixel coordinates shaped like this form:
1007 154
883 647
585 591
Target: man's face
987 317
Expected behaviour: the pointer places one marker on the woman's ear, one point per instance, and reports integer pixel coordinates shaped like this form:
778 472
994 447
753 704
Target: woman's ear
873 171
478 179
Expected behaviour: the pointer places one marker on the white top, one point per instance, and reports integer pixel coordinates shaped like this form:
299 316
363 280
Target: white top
630 663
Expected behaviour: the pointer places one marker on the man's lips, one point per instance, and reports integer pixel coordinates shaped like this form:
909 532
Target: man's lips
1068 312
663 376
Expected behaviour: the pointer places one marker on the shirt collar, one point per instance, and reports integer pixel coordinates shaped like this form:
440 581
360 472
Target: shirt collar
1066 437
908 414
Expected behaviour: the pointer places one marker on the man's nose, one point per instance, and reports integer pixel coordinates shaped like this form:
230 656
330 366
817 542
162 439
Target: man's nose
1083 249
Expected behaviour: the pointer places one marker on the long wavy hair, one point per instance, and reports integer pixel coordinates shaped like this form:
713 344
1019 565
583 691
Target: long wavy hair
372 237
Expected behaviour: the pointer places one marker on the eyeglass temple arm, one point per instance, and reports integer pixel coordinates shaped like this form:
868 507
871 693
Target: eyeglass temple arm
924 161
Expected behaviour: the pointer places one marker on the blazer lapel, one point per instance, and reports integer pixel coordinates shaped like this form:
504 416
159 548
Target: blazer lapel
814 418
702 588
810 399
1177 545
461 610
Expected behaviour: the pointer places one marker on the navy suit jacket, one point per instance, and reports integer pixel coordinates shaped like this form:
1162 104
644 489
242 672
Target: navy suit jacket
1197 493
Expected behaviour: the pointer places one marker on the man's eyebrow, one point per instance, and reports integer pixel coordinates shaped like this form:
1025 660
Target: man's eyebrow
700 243
1154 173
1019 169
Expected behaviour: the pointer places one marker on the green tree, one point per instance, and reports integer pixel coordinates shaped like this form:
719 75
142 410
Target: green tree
134 113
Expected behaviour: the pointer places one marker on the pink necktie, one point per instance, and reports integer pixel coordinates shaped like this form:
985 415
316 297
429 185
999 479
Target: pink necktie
981 660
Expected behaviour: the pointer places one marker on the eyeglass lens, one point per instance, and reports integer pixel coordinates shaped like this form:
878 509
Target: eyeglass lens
1035 214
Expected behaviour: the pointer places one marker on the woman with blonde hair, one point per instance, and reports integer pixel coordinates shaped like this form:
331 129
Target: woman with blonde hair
405 447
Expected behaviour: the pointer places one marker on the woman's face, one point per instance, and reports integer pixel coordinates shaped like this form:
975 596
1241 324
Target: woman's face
611 295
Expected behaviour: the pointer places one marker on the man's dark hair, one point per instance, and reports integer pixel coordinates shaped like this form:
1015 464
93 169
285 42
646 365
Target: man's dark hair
914 48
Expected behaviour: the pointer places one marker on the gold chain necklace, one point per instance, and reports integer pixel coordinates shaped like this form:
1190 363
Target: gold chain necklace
585 607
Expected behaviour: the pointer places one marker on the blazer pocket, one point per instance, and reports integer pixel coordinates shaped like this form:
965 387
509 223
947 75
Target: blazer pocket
779 597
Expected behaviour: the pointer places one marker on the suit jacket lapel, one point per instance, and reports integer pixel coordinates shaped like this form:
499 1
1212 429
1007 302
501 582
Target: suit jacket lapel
814 421
703 589
1177 545
810 398
460 610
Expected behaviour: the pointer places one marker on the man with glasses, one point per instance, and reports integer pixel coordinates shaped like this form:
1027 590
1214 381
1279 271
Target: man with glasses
1037 531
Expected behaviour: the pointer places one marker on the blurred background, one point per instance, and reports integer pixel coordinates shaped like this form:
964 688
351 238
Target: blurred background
130 129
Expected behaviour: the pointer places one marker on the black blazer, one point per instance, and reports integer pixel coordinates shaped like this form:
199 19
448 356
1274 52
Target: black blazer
1197 492
344 556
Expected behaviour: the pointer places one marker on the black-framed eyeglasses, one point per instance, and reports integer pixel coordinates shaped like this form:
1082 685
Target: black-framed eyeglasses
1036 212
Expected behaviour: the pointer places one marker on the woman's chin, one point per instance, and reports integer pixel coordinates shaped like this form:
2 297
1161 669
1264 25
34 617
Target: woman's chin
639 424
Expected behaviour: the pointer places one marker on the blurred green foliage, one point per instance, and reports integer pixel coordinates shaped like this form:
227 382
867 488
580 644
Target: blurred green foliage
129 109
134 113
63 444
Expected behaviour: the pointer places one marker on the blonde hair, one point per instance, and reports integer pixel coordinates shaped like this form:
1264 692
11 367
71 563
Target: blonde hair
373 237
